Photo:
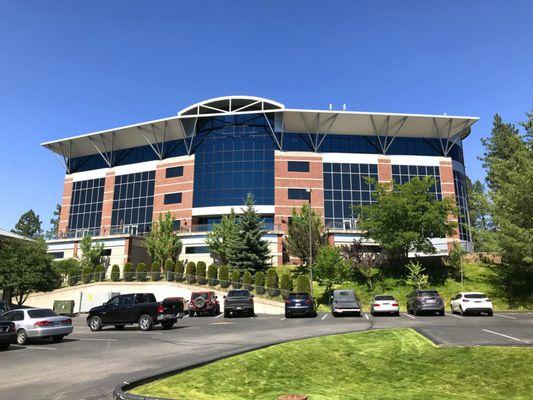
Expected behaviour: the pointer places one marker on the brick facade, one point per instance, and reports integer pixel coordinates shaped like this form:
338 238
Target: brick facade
284 179
65 206
107 204
448 191
182 184
384 170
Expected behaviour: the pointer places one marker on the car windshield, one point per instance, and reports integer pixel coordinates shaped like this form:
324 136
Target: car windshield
41 313
238 293
429 293
299 296
384 298
475 296
204 295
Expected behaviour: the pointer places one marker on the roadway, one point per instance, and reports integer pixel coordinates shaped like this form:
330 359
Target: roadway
88 365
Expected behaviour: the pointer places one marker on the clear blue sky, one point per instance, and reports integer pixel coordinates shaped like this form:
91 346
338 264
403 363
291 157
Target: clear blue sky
71 67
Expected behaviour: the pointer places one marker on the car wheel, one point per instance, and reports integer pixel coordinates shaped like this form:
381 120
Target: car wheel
191 314
490 313
119 327
226 314
287 315
146 323
22 337
442 313
57 338
461 312
167 324
415 312
95 324
358 314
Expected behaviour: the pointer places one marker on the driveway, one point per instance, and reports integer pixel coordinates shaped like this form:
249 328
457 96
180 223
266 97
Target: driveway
88 365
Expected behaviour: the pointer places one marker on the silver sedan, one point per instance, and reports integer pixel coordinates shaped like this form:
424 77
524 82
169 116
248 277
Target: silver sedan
39 323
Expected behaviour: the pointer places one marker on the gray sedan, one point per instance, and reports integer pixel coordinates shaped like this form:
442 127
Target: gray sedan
39 323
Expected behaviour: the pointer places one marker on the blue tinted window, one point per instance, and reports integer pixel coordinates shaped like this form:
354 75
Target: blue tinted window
172 198
86 207
133 202
298 166
173 172
298 194
197 250
461 198
404 173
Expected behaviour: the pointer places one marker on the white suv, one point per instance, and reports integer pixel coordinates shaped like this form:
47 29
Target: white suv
470 303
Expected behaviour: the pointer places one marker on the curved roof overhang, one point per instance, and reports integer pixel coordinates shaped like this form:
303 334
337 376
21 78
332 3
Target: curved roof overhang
386 126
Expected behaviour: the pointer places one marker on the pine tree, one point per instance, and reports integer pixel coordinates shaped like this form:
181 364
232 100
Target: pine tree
54 222
29 225
249 251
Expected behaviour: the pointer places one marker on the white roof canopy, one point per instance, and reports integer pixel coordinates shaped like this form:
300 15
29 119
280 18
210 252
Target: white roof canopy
386 126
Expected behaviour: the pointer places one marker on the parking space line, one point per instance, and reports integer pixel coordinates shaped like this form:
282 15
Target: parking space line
366 316
283 319
505 316
410 316
219 315
34 347
186 316
99 339
324 317
456 316
506 336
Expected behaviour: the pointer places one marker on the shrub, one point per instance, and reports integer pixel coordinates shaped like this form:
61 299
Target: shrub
64 266
286 284
212 275
235 279
128 272
302 284
115 273
73 276
260 282
190 272
99 273
247 280
87 275
200 272
272 282
223 276
141 272
169 270
178 271
156 271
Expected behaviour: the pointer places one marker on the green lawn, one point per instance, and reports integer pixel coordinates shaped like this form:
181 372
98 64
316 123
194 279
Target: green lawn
387 364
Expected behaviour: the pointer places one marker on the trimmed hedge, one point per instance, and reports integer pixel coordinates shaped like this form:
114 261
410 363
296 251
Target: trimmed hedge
212 271
129 272
190 271
235 279
260 282
141 272
115 273
247 280
272 282
99 273
179 271
87 275
155 273
73 276
286 285
223 276
201 270
169 270
303 284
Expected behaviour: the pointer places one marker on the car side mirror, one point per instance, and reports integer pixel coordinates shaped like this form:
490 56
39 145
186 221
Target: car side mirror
224 297
104 303
252 295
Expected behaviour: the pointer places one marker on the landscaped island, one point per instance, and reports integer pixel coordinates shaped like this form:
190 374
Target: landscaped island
386 364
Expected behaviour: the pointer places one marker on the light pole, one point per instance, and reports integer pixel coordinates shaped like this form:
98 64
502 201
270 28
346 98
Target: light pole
308 190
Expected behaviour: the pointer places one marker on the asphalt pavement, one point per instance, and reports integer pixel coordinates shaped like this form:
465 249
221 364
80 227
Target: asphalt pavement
88 365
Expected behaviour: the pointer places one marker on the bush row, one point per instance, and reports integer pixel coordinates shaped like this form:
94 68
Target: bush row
199 273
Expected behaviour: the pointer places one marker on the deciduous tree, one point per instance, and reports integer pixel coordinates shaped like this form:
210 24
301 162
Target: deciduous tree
162 242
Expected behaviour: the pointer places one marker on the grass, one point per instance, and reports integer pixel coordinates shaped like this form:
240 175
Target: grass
387 364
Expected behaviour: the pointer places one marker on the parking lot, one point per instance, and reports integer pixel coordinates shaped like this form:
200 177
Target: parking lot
88 365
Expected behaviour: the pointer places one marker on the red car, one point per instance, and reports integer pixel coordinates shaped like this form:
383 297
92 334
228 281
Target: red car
203 303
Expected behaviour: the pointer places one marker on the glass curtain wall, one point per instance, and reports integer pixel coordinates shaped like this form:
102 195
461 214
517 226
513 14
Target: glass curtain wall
86 208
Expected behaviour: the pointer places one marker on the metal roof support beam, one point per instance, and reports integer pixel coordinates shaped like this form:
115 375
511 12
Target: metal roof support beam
164 139
106 159
271 131
387 143
326 131
440 139
377 134
250 105
453 140
148 141
308 132
188 146
66 161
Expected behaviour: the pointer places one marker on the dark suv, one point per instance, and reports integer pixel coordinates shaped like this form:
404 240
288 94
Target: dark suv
425 300
299 304
239 302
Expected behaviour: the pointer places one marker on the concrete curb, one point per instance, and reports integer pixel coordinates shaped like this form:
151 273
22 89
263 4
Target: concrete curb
120 391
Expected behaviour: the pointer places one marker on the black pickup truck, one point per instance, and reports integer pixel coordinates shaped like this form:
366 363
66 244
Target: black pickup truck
135 308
